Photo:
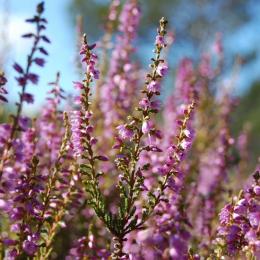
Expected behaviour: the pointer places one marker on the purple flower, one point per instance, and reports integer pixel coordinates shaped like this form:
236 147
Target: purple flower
241 207
21 81
144 103
24 122
162 69
34 78
93 72
125 132
160 40
153 87
147 126
225 214
251 236
102 158
155 104
257 190
90 61
12 254
185 144
78 85
93 141
29 247
76 121
117 97
27 97
254 219
39 61
239 229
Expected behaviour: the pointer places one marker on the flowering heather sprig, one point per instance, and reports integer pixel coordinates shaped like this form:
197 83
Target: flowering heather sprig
167 230
119 90
54 202
50 124
185 92
175 155
3 91
139 127
239 231
83 146
24 209
22 195
167 234
36 208
26 76
105 44
80 119
83 142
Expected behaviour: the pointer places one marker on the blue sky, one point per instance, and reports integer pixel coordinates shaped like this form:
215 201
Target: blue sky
62 48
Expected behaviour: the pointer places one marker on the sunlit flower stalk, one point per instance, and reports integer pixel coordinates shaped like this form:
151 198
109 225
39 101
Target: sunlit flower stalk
26 76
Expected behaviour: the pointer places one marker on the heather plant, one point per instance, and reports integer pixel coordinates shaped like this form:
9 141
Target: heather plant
117 173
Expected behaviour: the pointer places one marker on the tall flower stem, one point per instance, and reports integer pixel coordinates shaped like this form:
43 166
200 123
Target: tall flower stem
56 170
23 81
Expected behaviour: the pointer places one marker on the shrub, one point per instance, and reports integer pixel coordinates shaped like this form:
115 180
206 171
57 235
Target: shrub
120 175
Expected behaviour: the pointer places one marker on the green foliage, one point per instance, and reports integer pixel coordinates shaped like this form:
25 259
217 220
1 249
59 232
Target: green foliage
248 112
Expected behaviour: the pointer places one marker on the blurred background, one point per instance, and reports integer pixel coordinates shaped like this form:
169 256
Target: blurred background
194 23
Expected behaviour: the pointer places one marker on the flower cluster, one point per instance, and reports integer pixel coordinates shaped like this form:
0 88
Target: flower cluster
26 76
240 221
116 95
80 119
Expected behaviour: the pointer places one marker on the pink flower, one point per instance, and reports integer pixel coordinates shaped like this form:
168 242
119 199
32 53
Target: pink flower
77 100
159 40
78 85
153 87
187 132
125 132
76 121
147 126
155 104
185 144
34 78
144 103
39 61
162 69
27 97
